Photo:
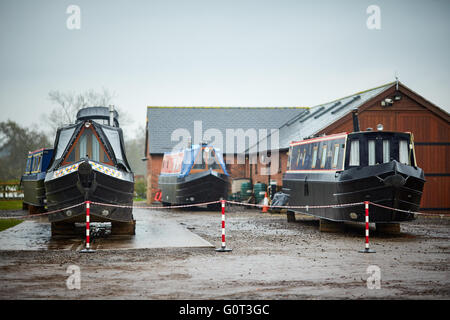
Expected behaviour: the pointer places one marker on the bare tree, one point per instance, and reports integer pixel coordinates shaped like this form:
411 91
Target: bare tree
134 149
68 104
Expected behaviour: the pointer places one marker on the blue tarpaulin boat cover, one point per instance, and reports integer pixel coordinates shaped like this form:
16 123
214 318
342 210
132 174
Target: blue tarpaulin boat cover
189 157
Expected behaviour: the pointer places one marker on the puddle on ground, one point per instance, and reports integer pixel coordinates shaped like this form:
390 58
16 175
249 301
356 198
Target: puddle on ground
152 231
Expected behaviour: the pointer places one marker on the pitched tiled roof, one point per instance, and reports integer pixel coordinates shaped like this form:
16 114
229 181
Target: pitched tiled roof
319 117
163 121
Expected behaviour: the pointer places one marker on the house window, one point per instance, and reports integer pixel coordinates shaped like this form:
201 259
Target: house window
354 153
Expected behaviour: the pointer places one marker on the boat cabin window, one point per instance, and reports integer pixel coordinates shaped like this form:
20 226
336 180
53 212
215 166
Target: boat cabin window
354 153
386 151
318 154
323 159
371 148
288 166
87 145
114 141
28 168
36 163
314 157
63 140
403 151
335 155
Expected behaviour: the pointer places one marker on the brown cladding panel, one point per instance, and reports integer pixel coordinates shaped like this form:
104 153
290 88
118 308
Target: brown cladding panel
424 126
436 193
433 159
370 119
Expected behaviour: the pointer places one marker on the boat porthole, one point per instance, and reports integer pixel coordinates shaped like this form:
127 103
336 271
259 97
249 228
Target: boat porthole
192 198
69 213
353 215
105 212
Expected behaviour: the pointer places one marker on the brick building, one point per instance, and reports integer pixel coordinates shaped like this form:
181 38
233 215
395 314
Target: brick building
393 105
397 108
232 129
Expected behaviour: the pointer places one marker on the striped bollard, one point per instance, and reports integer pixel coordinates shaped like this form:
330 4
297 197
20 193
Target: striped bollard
87 249
367 249
224 247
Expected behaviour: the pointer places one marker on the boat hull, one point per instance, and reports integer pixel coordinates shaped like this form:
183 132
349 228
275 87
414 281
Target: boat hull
33 191
392 185
67 191
195 188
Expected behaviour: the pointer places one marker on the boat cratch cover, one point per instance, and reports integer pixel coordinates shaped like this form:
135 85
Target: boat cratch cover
180 163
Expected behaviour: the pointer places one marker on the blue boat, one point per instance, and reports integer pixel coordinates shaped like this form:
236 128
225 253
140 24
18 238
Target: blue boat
193 175
32 181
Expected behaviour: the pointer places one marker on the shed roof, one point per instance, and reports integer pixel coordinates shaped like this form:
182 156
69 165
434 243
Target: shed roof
319 117
163 121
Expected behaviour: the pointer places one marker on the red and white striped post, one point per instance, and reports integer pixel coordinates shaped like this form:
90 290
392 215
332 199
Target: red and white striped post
88 211
224 246
367 249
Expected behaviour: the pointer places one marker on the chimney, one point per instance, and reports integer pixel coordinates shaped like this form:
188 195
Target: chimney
355 120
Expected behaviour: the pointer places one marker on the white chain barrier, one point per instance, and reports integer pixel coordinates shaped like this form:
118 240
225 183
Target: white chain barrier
307 207
44 213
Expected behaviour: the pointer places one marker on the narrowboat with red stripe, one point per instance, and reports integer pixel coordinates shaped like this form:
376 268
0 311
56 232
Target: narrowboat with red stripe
376 166
194 175
89 164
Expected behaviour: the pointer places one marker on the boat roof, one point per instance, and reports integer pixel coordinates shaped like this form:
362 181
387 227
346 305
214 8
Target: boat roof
39 150
91 113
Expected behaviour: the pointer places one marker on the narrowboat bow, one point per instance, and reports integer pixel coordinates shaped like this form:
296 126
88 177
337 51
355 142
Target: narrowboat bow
89 163
376 166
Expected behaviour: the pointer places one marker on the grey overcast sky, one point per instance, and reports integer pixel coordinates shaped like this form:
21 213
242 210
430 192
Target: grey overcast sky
218 52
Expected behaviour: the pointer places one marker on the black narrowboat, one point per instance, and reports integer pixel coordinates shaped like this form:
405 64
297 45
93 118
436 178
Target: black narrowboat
376 166
89 163
193 175
33 180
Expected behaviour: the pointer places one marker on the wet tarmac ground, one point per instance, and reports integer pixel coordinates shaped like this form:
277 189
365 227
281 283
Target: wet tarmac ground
152 231
173 256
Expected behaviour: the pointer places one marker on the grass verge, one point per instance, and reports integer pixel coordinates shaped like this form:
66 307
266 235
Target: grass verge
8 223
10 204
